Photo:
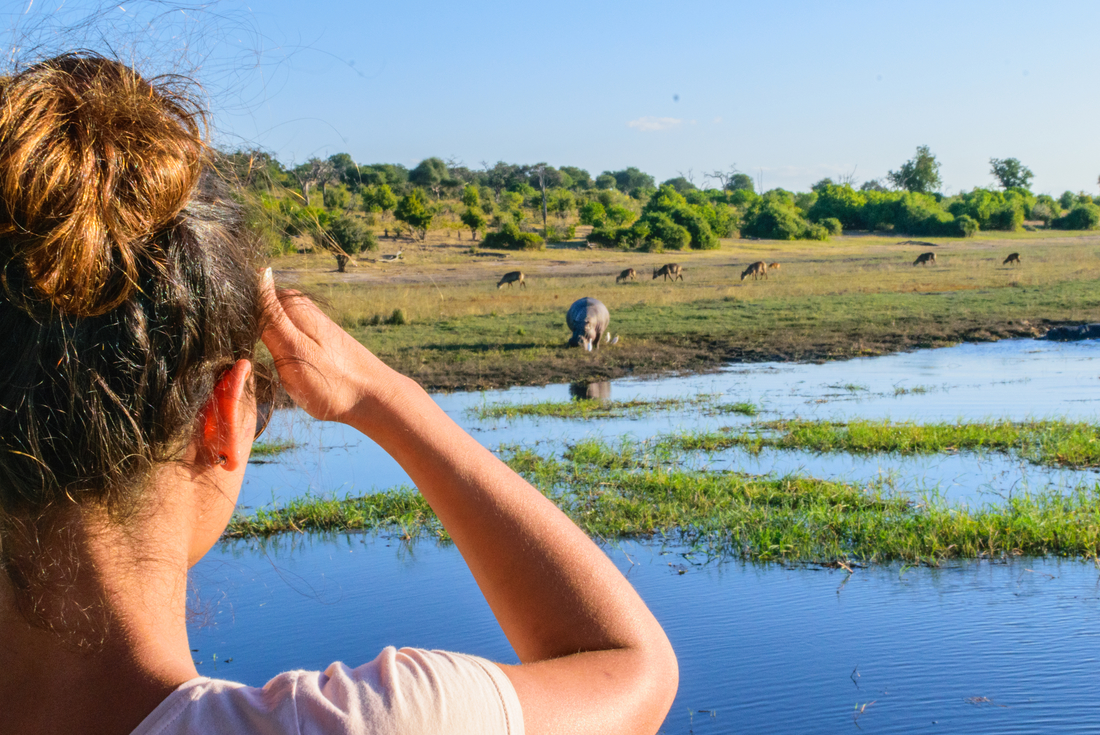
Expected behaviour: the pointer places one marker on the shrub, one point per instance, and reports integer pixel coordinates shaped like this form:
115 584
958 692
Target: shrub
966 225
593 213
1081 217
775 217
1009 217
604 237
510 237
556 233
397 318
815 232
832 225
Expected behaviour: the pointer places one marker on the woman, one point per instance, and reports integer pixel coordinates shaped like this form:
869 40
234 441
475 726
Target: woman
131 306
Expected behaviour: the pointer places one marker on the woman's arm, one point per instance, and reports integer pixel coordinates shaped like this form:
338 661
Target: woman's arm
594 660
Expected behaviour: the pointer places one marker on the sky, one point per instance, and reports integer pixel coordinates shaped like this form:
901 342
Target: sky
786 91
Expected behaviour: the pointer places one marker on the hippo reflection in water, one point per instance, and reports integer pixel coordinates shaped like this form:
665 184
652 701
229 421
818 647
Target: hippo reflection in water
588 318
582 391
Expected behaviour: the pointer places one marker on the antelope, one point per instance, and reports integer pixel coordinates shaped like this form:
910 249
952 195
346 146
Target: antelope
511 278
759 268
671 271
628 274
773 266
1012 258
925 259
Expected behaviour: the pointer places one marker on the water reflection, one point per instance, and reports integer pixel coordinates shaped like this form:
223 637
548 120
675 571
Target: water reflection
600 391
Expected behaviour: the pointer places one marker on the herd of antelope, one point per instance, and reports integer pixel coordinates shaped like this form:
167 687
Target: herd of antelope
759 269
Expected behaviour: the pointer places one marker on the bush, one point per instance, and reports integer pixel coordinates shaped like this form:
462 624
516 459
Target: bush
832 225
1081 217
775 217
605 237
966 225
593 213
555 233
815 232
397 318
510 237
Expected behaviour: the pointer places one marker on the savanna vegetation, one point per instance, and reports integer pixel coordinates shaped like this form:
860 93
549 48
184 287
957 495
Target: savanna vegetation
423 249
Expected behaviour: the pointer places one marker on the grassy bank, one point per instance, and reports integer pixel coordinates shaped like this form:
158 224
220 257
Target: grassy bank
850 297
591 408
631 491
1054 443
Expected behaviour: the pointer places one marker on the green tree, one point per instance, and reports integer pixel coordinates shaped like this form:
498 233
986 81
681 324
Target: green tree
680 184
432 174
470 196
414 211
605 181
474 219
1011 173
379 198
562 202
345 237
593 213
920 175
580 179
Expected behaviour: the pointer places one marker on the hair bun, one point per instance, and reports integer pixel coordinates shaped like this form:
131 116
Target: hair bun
94 162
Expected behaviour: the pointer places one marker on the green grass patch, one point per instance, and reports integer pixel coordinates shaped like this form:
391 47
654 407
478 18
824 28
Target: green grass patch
271 449
635 490
594 408
1053 443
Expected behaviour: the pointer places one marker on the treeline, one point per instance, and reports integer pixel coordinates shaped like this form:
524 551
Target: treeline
337 202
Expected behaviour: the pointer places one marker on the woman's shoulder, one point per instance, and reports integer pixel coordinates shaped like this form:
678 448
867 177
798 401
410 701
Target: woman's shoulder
406 690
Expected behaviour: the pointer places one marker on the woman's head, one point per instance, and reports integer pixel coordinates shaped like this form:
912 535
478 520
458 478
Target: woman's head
128 284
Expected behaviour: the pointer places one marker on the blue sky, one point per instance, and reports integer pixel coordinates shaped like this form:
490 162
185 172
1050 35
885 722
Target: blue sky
788 91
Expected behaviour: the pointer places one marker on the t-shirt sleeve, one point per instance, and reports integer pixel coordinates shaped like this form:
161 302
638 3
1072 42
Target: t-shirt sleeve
407 691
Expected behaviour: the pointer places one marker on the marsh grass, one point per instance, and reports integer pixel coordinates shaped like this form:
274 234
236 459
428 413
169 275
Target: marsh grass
1053 443
598 409
632 490
272 449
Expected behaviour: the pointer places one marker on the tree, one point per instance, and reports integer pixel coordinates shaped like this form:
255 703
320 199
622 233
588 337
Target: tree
680 184
473 219
740 182
432 174
920 175
414 211
313 172
630 179
872 185
470 196
581 178
379 198
562 202
348 236
1011 173
605 181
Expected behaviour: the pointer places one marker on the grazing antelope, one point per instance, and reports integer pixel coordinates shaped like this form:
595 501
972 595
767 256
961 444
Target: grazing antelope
511 278
1012 258
626 275
671 271
925 259
773 266
759 268
588 318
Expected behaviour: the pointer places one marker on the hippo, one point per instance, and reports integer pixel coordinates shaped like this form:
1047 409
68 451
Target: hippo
588 318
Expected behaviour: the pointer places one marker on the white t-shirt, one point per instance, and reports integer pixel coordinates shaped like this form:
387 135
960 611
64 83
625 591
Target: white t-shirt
407 691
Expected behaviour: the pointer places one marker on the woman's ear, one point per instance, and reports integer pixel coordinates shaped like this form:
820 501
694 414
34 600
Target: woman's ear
228 428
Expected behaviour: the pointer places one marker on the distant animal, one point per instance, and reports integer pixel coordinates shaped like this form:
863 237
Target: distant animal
589 319
925 259
510 278
774 266
671 271
759 268
1012 258
626 275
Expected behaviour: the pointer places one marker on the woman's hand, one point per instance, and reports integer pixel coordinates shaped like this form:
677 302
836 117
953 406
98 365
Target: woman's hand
323 368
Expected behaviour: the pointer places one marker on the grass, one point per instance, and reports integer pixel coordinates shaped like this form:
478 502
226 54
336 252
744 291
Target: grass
849 297
272 449
632 491
598 409
1053 443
